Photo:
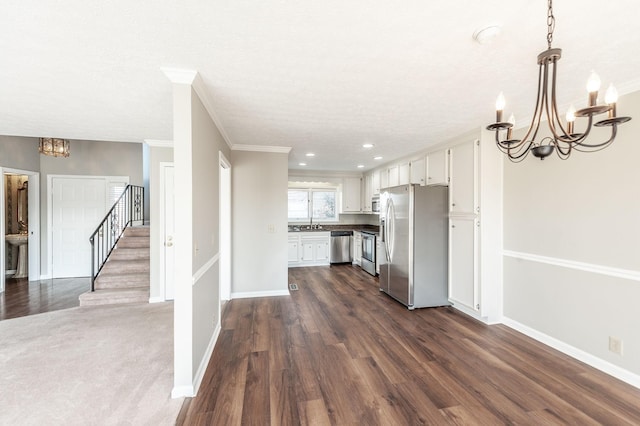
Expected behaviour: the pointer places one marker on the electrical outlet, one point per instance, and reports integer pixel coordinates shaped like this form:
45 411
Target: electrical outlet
615 345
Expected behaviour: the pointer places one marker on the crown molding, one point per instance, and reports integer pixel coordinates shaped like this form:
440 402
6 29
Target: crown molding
193 78
157 143
262 148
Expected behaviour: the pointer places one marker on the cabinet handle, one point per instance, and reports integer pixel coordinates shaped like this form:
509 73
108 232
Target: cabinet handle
453 204
453 226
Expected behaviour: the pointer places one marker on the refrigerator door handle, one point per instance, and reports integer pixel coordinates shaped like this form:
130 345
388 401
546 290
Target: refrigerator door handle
386 231
391 217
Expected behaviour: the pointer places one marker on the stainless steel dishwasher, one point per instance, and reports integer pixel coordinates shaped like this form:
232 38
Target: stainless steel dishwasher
341 246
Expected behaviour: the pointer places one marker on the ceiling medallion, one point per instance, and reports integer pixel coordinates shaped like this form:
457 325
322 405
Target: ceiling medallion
54 147
564 139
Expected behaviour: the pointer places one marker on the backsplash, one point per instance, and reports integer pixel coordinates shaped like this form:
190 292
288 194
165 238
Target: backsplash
348 219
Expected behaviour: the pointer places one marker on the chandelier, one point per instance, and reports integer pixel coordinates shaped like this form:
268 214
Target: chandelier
564 139
54 147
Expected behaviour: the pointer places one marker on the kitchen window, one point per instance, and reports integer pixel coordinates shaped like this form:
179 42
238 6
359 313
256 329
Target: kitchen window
317 203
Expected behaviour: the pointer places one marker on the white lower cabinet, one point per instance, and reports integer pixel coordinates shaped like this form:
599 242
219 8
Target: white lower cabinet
357 248
463 276
309 248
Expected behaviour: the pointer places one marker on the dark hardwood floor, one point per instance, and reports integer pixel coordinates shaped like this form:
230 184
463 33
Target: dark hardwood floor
340 352
22 298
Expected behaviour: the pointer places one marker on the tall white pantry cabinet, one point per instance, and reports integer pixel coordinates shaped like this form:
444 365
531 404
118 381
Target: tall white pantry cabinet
475 227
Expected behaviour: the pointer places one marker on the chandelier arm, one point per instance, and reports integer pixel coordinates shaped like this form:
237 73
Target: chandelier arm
566 136
599 146
535 120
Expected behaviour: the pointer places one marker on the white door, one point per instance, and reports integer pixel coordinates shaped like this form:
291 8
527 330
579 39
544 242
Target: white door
78 206
168 224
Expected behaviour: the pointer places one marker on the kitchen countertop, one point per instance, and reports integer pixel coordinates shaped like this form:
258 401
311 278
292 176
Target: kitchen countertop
325 228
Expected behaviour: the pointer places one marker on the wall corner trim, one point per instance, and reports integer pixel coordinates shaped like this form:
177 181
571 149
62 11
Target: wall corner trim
204 268
595 362
262 148
182 392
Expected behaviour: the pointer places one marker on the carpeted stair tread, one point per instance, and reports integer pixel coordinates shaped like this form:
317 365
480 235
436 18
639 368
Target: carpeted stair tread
126 266
122 281
133 253
115 296
137 231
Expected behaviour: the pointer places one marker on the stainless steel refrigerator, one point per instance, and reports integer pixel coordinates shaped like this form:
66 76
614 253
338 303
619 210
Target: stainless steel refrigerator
414 231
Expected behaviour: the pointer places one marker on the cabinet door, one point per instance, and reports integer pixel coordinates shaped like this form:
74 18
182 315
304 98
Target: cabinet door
394 176
351 195
438 168
376 183
418 172
463 281
322 251
384 179
307 251
404 174
463 178
357 248
368 193
292 252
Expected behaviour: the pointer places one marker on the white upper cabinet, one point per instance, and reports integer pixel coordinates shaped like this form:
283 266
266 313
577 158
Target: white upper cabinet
438 168
418 172
384 179
463 171
394 176
404 174
351 195
368 193
375 179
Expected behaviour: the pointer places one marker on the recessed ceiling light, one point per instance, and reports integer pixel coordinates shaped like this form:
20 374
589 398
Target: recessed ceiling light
310 154
367 145
486 34
379 157
302 164
361 166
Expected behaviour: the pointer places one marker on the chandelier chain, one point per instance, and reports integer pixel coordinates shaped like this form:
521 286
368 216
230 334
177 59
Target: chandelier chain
551 23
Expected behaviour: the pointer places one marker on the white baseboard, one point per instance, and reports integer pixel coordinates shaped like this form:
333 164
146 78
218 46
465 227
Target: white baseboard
595 362
156 299
474 314
45 277
249 294
197 380
182 392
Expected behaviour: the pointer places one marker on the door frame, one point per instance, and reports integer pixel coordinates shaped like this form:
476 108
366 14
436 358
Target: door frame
34 224
50 178
225 230
163 165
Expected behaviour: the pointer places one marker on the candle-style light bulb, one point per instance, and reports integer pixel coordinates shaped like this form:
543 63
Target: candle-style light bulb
593 85
610 98
500 103
571 118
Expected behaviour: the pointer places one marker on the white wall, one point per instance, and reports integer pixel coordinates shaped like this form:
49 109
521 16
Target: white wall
259 193
581 215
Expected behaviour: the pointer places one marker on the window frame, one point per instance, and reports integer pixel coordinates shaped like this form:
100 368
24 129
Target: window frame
309 216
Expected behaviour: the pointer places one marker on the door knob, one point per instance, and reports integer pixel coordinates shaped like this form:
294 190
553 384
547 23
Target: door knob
168 244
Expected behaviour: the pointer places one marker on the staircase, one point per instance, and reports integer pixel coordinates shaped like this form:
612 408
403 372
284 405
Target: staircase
125 276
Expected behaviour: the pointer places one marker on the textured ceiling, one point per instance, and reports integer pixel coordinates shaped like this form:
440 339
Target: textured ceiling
322 76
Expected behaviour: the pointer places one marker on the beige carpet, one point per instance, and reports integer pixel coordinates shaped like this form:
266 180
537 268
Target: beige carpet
103 365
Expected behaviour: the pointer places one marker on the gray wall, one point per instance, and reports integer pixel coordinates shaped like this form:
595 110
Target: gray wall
585 211
19 153
259 193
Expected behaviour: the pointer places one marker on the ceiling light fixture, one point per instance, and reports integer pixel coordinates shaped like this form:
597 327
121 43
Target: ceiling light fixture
310 154
54 147
367 145
563 140
486 34
379 157
361 166
302 164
